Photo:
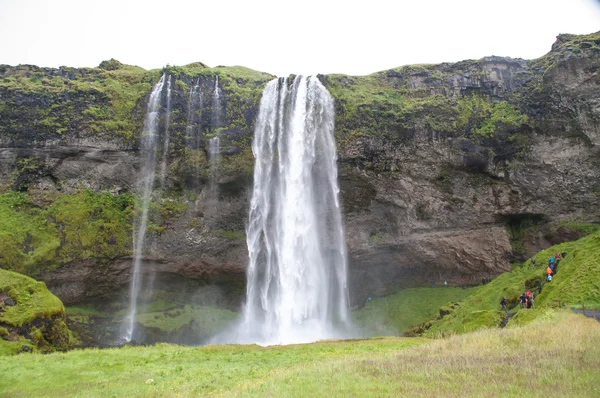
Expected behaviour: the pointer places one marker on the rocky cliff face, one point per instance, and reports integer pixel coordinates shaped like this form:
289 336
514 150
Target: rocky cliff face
446 171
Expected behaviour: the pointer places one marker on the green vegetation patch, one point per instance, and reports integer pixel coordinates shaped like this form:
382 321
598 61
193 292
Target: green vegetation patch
398 312
210 319
575 284
33 299
484 117
13 347
31 316
39 234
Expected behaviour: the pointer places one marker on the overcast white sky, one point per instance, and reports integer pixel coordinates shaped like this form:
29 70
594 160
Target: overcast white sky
283 37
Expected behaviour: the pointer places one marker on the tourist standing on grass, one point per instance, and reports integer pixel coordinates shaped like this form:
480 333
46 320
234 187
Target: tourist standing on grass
446 283
503 304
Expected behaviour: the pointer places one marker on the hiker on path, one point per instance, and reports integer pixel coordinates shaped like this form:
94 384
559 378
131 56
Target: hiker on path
433 284
549 278
503 304
549 270
531 300
462 283
539 285
446 283
523 300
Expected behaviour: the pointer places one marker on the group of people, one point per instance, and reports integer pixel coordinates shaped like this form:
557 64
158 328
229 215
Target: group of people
527 299
552 265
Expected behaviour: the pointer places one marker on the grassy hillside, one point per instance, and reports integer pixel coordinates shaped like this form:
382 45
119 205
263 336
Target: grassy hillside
536 360
398 312
575 284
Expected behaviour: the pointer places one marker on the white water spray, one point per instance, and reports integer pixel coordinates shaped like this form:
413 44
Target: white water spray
297 288
148 150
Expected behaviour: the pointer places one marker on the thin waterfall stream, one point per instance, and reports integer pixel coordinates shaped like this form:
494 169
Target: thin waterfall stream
148 145
167 137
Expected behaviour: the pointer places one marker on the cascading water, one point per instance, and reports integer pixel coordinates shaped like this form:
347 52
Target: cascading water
296 288
167 137
148 150
194 108
214 145
216 105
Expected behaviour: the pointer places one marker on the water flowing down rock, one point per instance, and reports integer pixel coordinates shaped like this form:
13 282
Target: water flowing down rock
296 289
148 147
214 146
216 105
167 137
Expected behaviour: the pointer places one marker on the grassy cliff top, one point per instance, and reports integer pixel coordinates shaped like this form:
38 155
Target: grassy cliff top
33 299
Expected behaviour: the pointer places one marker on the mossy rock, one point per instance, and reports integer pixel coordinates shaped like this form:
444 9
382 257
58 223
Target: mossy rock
37 316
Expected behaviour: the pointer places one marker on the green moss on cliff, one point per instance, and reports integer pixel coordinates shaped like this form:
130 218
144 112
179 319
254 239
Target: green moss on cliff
42 234
392 106
92 225
27 239
484 117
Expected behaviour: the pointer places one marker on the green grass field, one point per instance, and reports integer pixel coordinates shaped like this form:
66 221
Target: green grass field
534 360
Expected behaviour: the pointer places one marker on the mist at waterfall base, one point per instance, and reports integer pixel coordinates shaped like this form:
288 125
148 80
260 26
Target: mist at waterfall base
297 270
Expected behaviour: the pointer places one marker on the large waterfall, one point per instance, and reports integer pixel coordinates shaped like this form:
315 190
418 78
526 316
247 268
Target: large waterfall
296 289
148 149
